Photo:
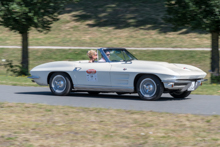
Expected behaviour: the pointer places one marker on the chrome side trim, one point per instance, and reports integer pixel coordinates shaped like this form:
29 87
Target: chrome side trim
33 77
175 81
103 88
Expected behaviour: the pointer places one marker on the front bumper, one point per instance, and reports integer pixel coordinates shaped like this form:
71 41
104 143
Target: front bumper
33 77
183 85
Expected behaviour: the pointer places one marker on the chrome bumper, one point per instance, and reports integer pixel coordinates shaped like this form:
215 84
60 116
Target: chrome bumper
33 77
183 85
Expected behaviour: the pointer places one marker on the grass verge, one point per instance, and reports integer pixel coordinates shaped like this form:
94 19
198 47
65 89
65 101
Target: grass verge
30 125
199 59
16 81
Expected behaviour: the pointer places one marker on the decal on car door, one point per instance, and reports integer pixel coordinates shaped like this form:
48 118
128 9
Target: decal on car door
91 75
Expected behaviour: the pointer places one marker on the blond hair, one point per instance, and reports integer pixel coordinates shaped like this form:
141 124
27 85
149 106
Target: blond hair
91 53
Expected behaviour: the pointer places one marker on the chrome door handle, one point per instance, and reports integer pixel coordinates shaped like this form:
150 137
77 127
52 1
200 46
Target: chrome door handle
77 68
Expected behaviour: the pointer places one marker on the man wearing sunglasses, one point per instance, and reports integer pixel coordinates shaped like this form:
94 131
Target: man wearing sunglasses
107 54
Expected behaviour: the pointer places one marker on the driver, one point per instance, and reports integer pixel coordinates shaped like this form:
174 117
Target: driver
103 59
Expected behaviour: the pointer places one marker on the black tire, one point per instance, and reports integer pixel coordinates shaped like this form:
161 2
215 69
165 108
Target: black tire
180 94
60 84
149 87
93 93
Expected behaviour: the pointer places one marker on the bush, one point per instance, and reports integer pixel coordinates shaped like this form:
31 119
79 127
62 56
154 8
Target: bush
215 79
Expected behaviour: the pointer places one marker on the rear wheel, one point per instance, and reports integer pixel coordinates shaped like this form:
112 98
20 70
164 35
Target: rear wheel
180 94
149 87
60 84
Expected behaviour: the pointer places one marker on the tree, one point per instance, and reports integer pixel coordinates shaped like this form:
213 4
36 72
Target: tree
22 15
198 14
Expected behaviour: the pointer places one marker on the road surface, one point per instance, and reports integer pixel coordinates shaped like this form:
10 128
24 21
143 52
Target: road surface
194 104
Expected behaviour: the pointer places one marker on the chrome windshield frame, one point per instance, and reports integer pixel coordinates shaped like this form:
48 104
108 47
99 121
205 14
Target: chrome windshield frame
103 54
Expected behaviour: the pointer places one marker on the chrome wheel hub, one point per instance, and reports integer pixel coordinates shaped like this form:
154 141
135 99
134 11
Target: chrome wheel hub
59 84
148 87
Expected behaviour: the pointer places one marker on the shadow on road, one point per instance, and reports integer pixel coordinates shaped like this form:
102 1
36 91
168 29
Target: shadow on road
172 99
103 96
35 93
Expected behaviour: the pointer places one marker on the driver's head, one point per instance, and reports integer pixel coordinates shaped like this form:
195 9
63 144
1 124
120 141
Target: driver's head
107 54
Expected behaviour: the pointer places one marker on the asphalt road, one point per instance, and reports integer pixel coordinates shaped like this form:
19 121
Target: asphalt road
194 104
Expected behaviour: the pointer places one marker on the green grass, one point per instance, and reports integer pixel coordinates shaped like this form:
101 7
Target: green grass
38 56
16 81
199 59
208 89
33 125
112 23
41 56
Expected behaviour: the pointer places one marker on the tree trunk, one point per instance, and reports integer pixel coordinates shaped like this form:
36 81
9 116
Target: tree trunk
24 57
215 56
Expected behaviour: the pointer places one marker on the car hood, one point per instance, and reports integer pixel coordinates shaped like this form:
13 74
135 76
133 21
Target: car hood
178 69
55 66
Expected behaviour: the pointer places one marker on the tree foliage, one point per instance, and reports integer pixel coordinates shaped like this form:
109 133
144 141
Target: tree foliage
22 15
197 14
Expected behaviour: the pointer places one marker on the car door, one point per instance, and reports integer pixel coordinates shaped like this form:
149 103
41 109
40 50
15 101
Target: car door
122 76
92 76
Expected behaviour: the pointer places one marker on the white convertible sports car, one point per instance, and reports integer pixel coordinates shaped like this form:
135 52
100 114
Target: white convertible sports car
119 72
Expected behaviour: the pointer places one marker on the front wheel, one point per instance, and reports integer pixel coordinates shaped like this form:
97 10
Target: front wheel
180 94
60 84
149 87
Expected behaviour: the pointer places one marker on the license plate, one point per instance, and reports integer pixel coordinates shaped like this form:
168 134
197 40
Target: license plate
192 87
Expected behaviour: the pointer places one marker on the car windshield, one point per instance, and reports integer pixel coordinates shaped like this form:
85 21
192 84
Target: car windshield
119 55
